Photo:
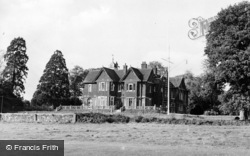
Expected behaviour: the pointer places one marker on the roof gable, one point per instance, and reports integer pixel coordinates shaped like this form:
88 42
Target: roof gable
136 72
111 74
147 74
91 76
178 82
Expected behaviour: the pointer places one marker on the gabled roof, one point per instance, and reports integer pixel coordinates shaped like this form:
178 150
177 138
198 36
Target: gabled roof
176 81
120 73
146 74
136 71
91 76
112 74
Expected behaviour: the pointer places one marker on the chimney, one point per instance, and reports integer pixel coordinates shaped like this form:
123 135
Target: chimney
144 65
155 70
125 68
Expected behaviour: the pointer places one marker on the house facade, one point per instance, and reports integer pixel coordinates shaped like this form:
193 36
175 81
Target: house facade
132 88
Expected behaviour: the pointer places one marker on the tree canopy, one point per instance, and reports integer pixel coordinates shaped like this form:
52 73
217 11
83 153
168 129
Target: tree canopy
53 87
228 51
77 75
15 71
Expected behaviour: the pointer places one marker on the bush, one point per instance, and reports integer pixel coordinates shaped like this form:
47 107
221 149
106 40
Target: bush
138 119
101 118
145 120
120 119
211 112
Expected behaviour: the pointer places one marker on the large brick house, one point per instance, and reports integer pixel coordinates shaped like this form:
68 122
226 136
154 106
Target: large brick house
132 88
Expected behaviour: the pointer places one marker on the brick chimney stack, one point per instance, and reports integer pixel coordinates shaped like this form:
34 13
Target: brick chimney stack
144 65
125 68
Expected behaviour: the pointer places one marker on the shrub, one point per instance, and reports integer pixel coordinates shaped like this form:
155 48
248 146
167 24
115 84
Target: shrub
138 119
120 119
153 119
144 120
101 118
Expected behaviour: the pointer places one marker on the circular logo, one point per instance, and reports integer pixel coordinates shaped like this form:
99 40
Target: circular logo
8 147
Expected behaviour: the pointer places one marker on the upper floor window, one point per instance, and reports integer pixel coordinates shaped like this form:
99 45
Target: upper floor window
130 87
172 94
112 87
90 88
102 86
120 87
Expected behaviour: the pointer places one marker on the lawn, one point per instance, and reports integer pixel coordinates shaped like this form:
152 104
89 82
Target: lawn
136 138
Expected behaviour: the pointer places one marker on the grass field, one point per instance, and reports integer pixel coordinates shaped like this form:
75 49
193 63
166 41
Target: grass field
136 139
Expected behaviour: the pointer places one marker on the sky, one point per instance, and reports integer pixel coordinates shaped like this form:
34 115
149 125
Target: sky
89 32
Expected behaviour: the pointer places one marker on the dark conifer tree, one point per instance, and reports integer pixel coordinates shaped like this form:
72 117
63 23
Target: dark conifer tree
15 71
53 87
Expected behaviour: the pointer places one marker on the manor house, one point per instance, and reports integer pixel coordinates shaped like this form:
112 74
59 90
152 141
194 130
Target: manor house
133 88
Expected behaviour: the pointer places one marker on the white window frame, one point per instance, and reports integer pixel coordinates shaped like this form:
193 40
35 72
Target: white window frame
112 101
132 86
130 100
90 88
119 87
101 86
112 86
107 86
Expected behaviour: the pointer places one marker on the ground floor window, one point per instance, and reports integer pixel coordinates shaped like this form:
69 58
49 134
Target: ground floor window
130 102
180 108
111 101
102 101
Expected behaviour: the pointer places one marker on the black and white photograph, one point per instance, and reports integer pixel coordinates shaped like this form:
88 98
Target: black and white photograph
124 77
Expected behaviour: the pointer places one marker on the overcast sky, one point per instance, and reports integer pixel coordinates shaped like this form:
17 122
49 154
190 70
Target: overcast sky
88 32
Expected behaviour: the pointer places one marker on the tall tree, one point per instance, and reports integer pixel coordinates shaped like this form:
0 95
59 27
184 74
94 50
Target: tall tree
53 87
15 71
161 69
77 75
228 51
1 61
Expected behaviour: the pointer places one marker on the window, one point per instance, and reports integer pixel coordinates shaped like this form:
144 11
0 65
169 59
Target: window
107 86
180 108
130 87
150 88
171 95
90 88
130 102
181 95
102 86
112 86
111 101
103 100
119 87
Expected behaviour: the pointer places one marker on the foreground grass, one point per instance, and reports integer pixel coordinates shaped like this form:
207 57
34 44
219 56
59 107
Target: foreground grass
136 139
